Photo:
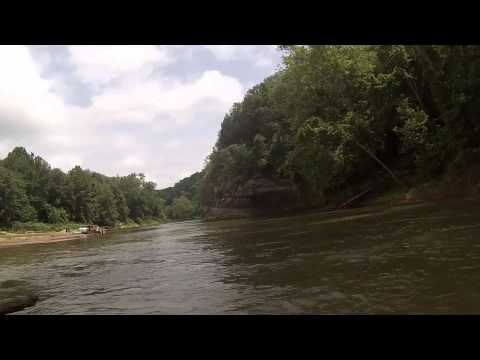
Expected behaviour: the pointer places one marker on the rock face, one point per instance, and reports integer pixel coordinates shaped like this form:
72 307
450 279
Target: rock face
258 196
214 214
15 295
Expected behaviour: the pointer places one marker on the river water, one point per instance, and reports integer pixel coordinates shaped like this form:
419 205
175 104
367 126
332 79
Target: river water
403 260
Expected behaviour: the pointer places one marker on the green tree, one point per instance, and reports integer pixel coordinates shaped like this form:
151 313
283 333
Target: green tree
81 195
334 115
182 208
14 203
56 215
107 206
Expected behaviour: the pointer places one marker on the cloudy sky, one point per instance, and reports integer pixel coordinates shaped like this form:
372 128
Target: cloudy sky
123 109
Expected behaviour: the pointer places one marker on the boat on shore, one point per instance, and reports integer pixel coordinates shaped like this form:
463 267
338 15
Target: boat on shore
94 229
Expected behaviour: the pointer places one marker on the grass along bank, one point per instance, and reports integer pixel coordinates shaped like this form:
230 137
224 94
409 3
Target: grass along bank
40 233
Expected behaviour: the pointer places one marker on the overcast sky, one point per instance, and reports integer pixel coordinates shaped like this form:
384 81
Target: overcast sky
123 109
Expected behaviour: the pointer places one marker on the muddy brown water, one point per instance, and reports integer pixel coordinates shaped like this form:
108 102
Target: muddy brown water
416 259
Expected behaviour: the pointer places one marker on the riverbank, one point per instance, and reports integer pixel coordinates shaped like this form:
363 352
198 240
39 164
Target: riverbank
464 187
382 193
14 239
8 239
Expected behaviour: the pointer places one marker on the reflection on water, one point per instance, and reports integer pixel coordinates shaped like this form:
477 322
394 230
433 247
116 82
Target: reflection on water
411 259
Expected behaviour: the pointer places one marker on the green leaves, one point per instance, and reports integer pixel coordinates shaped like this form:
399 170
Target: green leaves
333 114
14 202
56 215
31 190
182 208
413 132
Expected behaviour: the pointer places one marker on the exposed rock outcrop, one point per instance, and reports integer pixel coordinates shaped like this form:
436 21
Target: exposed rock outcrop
214 214
258 196
15 295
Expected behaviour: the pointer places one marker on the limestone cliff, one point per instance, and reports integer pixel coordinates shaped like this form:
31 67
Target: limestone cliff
258 196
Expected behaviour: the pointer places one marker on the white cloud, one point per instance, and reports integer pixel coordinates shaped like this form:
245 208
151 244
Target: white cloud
172 144
132 161
225 52
65 161
141 102
5 147
264 61
121 140
43 58
262 56
60 140
158 125
23 93
100 64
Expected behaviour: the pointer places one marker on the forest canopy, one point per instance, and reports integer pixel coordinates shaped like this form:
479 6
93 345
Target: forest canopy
31 191
334 115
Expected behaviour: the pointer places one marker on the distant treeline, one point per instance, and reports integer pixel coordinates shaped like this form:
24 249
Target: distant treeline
332 115
31 191
186 188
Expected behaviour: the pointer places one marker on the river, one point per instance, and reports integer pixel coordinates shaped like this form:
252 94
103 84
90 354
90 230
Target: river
403 260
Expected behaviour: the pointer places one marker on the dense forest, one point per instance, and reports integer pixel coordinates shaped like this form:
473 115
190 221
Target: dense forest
181 200
32 192
336 119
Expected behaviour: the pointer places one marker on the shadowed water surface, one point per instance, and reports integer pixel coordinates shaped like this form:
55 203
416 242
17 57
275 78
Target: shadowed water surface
410 259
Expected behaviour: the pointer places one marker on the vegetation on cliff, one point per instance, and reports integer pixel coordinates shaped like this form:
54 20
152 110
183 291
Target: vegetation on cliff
336 117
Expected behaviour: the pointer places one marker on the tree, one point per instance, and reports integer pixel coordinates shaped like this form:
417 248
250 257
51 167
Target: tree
182 208
333 115
31 190
56 215
120 203
14 203
107 206
81 195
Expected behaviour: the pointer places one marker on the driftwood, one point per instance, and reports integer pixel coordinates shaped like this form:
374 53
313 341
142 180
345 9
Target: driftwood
372 155
401 183
348 202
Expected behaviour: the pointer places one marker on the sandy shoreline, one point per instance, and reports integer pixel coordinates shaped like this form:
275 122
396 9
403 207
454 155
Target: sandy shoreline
40 238
13 239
